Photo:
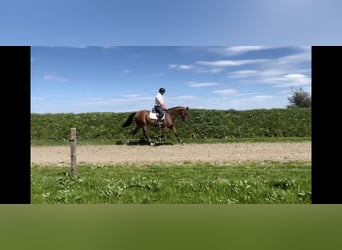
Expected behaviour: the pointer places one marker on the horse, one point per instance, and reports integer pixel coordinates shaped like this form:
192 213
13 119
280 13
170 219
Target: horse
142 119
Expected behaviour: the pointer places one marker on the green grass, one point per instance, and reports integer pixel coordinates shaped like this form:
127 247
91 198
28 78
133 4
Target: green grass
186 183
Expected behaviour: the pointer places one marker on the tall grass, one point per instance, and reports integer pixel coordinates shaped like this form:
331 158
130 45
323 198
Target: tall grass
203 126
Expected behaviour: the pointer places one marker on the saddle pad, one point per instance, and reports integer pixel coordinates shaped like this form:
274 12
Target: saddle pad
154 116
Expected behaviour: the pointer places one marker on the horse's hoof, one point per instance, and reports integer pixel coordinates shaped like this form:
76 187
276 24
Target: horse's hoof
152 144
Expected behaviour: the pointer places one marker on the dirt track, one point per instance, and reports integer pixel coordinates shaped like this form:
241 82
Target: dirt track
220 153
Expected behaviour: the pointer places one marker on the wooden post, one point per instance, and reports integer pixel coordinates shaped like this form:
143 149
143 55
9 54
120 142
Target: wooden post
73 151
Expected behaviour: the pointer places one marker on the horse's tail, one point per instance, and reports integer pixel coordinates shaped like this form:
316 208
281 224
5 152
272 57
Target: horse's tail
129 120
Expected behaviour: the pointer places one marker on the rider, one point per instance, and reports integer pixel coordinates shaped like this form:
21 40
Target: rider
160 105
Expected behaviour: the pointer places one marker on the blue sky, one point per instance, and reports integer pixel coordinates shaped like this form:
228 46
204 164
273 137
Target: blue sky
126 78
165 22
86 47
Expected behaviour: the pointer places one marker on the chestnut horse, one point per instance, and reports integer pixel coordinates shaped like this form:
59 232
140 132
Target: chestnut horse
142 119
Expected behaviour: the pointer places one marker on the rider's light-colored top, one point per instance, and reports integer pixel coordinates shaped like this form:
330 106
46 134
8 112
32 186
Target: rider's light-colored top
159 101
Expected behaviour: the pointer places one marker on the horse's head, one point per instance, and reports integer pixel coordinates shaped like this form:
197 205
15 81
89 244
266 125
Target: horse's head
185 114
179 110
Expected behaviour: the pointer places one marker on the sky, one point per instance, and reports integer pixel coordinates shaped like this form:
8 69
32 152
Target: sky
127 78
86 47
165 22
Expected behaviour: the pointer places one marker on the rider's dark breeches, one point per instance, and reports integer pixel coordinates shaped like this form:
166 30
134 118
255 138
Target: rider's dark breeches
160 112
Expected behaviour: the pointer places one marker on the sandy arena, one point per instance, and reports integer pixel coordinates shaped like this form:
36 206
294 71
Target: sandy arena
217 153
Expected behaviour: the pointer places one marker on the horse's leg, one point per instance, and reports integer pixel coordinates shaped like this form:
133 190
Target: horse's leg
173 128
163 136
134 133
144 128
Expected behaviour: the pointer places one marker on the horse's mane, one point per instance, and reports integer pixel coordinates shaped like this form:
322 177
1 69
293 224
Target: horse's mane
177 107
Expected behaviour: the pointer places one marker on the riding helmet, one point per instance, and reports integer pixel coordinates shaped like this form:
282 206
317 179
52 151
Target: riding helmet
161 90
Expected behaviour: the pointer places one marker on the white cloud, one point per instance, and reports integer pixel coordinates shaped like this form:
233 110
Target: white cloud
242 73
213 67
201 84
181 66
256 101
236 50
55 78
262 97
220 63
301 57
295 75
294 80
225 63
286 71
186 67
225 91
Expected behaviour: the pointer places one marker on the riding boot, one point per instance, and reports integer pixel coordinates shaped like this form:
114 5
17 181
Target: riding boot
159 122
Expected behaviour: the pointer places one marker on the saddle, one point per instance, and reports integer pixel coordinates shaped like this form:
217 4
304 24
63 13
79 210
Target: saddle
153 115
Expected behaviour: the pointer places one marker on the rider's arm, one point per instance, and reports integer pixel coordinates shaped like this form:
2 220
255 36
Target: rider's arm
162 104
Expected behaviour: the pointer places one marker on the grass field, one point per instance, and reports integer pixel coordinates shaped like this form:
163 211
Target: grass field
166 183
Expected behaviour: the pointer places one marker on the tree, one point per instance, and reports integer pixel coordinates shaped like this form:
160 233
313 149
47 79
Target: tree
299 99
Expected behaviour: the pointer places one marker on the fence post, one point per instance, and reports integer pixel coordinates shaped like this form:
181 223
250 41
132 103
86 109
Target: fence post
73 151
